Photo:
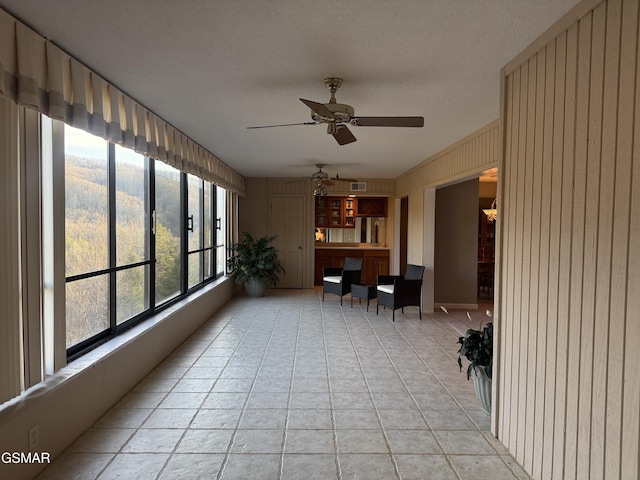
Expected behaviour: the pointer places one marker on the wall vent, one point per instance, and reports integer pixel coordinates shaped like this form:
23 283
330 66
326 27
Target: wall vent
358 186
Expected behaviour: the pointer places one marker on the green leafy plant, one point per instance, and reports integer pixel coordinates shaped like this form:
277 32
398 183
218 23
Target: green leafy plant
256 259
477 347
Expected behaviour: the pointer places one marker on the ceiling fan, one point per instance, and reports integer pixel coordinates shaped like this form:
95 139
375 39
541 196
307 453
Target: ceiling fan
337 115
323 177
322 180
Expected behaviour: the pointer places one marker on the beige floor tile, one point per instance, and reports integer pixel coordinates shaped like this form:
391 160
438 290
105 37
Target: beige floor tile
419 467
361 441
102 440
192 466
307 419
153 440
474 467
309 467
310 441
357 466
458 442
146 466
218 419
205 441
170 418
79 466
252 467
263 419
258 441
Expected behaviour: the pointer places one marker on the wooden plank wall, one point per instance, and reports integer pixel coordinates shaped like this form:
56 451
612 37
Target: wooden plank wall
471 155
569 381
11 364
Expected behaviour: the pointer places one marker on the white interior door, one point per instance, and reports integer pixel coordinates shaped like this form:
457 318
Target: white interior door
287 222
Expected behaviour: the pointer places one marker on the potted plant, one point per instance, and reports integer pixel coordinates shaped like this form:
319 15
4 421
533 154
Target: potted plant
255 264
477 347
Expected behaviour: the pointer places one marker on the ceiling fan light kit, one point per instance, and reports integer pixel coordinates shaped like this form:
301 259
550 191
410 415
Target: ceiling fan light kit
338 115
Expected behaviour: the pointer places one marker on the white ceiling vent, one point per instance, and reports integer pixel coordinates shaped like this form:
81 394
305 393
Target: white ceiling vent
358 186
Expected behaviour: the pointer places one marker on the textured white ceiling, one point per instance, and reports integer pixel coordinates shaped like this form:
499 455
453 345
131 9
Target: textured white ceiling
214 67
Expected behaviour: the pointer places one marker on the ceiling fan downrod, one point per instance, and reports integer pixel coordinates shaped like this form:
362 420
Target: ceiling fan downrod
333 84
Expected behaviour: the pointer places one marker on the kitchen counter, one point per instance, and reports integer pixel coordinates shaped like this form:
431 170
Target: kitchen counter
341 246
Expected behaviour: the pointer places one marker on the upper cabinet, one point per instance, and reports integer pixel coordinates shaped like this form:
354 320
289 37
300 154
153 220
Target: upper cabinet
372 207
341 212
349 212
335 212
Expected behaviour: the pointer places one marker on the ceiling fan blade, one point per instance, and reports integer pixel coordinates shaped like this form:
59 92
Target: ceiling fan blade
388 121
283 125
343 135
319 108
340 179
328 183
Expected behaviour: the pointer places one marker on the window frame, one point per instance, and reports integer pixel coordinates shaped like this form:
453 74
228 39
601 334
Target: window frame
149 263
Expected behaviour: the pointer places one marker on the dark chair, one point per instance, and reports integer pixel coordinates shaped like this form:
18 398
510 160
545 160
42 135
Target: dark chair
395 291
338 280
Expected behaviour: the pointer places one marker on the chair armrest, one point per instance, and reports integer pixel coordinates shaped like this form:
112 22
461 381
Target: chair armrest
388 279
331 271
408 287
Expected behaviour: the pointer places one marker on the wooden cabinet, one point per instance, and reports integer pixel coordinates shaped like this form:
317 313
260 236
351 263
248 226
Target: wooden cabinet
372 207
322 211
349 212
374 262
335 212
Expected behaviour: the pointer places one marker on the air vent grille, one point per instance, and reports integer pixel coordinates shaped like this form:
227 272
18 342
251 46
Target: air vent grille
358 186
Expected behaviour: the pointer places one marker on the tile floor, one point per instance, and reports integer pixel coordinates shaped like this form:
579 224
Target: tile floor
288 387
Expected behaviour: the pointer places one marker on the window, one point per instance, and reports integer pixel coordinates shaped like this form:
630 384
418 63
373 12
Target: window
140 234
86 235
221 229
131 234
167 232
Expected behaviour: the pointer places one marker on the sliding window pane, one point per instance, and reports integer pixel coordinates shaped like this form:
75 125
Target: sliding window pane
221 229
207 214
208 264
195 188
168 256
194 223
86 202
195 268
208 228
131 207
87 304
131 292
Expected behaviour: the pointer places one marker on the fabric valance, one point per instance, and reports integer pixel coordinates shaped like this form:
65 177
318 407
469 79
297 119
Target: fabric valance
37 74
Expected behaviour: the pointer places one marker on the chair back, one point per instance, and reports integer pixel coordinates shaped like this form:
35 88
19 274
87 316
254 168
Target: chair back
414 272
352 264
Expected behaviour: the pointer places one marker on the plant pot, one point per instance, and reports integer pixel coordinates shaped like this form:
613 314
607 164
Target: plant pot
483 388
254 288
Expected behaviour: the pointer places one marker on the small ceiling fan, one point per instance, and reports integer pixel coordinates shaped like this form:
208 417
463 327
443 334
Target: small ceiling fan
337 115
321 177
323 180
